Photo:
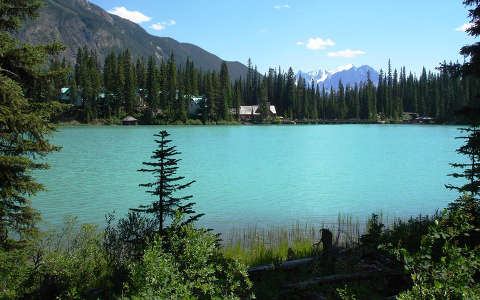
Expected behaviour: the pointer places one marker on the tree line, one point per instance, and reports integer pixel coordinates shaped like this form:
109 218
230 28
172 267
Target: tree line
166 89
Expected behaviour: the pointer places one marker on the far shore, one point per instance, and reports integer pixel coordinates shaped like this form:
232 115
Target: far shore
246 123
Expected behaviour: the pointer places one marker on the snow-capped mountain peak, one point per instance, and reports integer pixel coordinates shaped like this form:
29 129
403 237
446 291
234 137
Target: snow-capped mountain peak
348 75
342 68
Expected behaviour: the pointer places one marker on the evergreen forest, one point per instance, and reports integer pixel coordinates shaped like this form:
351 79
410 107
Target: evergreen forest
162 92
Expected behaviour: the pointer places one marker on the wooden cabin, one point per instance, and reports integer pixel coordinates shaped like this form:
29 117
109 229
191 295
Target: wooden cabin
129 120
251 112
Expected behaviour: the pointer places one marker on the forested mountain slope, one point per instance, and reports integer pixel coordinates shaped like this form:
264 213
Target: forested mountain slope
79 23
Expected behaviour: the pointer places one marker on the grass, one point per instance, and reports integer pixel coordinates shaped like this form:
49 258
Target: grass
258 246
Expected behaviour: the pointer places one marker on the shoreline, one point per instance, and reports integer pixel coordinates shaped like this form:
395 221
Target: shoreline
241 123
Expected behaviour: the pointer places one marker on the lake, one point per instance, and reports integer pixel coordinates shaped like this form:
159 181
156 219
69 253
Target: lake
256 175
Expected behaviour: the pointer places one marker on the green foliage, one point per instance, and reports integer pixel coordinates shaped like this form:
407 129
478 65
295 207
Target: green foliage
194 122
63 263
407 234
472 66
471 149
258 246
164 167
374 235
14 272
346 293
74 259
24 125
186 263
443 268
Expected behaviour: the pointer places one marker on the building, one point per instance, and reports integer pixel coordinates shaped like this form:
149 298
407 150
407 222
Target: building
195 106
66 97
251 112
423 120
129 120
409 117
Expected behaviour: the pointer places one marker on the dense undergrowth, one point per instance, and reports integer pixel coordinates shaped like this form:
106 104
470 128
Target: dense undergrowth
78 261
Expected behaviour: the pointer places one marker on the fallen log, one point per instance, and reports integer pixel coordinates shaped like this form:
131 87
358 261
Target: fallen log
289 264
269 267
343 277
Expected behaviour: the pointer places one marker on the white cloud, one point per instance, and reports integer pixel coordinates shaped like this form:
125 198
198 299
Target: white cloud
464 27
134 16
282 6
319 43
300 43
346 53
158 26
162 25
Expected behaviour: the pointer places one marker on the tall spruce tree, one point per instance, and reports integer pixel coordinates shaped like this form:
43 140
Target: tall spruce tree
24 124
166 184
471 149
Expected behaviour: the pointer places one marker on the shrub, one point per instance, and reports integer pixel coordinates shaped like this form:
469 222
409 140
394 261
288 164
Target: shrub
443 268
62 264
194 122
14 273
407 234
187 263
177 122
74 260
374 235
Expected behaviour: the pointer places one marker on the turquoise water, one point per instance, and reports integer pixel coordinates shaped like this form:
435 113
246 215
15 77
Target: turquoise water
256 175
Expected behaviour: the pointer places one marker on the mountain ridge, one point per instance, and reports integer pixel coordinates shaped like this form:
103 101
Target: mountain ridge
349 75
79 23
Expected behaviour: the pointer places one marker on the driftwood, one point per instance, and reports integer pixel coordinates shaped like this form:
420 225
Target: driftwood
343 277
289 264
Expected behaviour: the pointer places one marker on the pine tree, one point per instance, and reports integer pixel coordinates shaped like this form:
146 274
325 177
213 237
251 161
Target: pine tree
290 92
471 149
472 51
73 92
166 185
129 87
24 127
172 87
225 93
152 84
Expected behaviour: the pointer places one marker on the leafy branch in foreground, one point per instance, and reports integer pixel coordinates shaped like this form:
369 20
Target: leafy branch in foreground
444 267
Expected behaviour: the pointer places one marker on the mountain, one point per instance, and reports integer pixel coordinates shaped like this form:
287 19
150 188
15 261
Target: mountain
349 75
79 23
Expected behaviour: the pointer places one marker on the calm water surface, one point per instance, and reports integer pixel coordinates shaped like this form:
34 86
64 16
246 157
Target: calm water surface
256 175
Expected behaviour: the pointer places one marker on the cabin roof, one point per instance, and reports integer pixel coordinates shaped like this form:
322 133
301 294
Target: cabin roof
129 119
248 109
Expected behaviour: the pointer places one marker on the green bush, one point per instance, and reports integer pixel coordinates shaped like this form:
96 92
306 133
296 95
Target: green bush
15 273
374 235
406 234
177 122
443 268
225 122
74 260
194 122
186 263
63 264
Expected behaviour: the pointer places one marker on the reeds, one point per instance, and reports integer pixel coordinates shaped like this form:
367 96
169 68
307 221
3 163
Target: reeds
256 246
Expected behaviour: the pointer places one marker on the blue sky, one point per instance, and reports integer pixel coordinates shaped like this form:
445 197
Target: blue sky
309 35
